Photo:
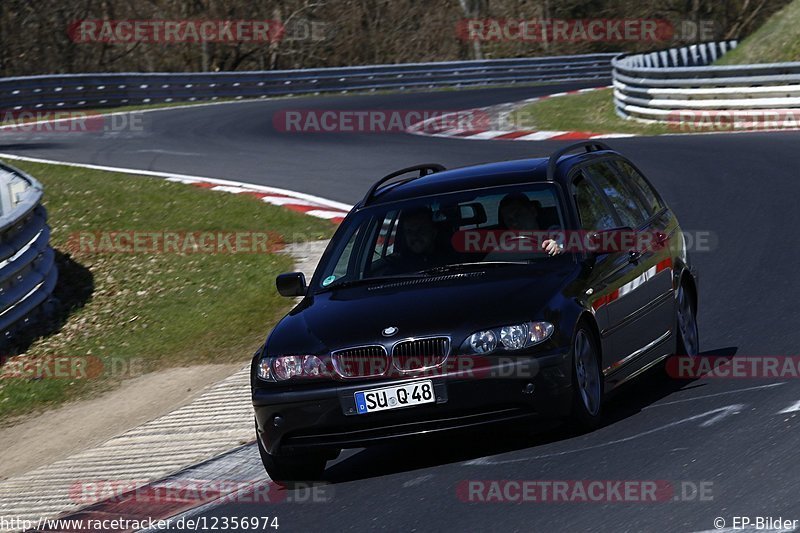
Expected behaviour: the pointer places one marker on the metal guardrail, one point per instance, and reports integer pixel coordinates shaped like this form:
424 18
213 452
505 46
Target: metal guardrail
660 85
27 262
70 91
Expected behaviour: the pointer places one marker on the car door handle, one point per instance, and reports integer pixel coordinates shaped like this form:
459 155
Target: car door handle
633 257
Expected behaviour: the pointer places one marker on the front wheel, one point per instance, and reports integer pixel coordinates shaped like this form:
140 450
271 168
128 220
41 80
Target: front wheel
587 380
688 341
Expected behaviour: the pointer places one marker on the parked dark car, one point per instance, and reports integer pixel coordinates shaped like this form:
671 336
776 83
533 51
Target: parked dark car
461 298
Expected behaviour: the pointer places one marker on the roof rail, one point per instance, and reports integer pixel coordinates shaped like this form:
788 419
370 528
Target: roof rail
591 146
424 170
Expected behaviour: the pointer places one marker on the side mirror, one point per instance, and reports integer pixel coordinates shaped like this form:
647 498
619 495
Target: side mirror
613 240
291 284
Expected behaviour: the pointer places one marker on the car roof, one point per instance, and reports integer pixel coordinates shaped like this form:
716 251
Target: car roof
498 174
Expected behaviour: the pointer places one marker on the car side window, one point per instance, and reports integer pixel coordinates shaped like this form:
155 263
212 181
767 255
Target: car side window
650 196
592 209
627 201
384 245
342 266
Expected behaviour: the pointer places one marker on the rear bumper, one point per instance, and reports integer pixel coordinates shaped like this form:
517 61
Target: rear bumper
325 417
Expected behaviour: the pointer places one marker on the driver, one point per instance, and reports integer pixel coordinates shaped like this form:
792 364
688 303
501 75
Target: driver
419 237
517 212
419 231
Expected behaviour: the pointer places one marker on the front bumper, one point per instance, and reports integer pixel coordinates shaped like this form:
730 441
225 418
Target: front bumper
324 417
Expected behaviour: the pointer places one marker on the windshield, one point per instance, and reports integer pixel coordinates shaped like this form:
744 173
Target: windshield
502 225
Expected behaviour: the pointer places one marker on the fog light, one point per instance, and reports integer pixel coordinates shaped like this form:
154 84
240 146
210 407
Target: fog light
483 341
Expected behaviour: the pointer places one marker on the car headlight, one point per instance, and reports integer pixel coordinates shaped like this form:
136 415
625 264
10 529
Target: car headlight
512 337
287 367
540 331
483 341
264 370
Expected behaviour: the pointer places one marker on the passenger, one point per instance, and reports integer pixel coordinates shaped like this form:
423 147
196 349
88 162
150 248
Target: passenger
517 212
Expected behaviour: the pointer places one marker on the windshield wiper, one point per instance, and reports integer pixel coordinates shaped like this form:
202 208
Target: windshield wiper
456 267
364 281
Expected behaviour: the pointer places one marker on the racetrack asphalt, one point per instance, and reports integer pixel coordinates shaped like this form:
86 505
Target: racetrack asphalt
739 434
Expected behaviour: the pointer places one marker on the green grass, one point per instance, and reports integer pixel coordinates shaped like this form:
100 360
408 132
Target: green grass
589 112
777 40
160 310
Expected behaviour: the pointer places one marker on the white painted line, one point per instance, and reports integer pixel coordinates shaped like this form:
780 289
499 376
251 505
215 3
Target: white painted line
417 480
325 214
186 178
488 134
540 135
612 135
486 461
283 200
723 414
791 409
759 387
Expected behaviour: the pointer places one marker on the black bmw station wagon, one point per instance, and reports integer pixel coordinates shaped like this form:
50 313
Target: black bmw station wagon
461 298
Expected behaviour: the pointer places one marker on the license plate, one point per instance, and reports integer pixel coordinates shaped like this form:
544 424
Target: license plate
408 395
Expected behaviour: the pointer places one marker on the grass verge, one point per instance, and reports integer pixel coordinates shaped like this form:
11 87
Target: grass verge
776 41
590 112
128 313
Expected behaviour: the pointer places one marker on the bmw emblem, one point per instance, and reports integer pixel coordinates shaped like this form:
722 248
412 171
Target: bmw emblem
388 332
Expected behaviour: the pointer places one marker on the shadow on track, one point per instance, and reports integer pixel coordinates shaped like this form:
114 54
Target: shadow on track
457 446
72 291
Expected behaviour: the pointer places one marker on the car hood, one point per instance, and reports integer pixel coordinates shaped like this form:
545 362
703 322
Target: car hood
455 305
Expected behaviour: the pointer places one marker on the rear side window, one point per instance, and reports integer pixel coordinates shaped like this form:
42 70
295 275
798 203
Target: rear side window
626 199
591 208
635 178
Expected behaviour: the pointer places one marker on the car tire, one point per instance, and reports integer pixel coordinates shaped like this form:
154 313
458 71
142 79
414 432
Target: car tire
292 468
687 335
587 380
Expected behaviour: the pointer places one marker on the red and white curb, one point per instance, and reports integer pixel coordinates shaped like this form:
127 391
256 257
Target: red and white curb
220 419
280 197
124 476
436 127
308 204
